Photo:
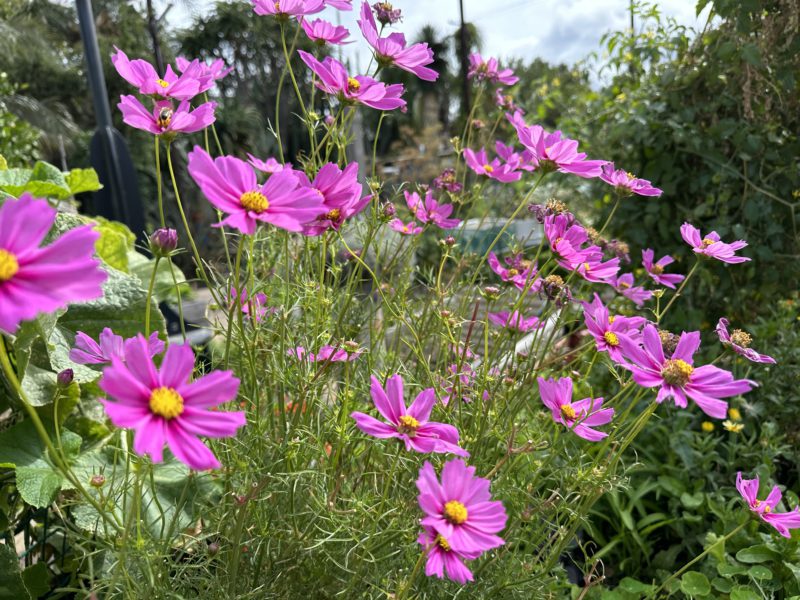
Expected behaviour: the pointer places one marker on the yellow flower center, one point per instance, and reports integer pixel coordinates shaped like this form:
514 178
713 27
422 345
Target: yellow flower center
568 412
353 84
162 83
741 338
8 265
677 372
657 269
333 215
408 425
586 267
255 201
455 512
767 509
707 426
611 338
611 319
707 242
734 414
166 402
488 168
513 272
443 543
630 175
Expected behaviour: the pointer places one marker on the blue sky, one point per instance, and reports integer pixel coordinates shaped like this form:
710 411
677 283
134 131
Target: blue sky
555 30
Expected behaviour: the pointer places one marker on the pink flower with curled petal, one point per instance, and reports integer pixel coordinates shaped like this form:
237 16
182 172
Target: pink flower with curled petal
444 558
579 417
550 152
519 272
37 279
589 265
608 330
566 238
327 353
626 183
480 164
271 165
460 509
340 4
410 425
514 321
712 246
386 13
164 119
488 68
341 195
506 102
765 509
393 50
287 8
430 211
739 341
230 184
250 306
206 74
107 346
405 229
635 293
165 407
656 269
677 377
142 75
334 80
322 32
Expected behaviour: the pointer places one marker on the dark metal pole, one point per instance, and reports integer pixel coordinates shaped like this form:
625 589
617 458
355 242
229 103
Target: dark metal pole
94 66
464 62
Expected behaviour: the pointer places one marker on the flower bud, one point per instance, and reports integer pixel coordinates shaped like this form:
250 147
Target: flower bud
97 481
65 377
388 211
491 292
163 242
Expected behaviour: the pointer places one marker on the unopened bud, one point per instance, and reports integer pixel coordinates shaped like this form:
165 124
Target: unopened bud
65 377
97 481
163 242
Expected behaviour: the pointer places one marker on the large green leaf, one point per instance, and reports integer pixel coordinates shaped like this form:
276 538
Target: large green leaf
695 584
122 308
12 586
83 180
164 287
115 242
171 499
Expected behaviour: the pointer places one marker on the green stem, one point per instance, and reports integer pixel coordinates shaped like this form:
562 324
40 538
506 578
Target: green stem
147 307
158 182
680 289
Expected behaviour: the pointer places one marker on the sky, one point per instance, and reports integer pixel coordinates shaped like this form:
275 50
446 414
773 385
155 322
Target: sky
555 30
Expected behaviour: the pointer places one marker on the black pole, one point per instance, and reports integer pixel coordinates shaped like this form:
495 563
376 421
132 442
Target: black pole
119 199
94 66
464 62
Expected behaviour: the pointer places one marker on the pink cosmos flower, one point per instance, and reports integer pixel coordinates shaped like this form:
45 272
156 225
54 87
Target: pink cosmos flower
334 80
515 321
550 152
258 303
411 424
326 354
410 229
288 8
164 119
519 271
677 377
386 13
608 330
142 75
444 558
765 509
36 279
341 196
579 417
711 245
231 186
89 352
460 509
506 102
591 267
656 270
739 342
205 73
165 407
636 293
488 68
626 183
392 50
480 164
322 32
271 165
430 211
566 238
